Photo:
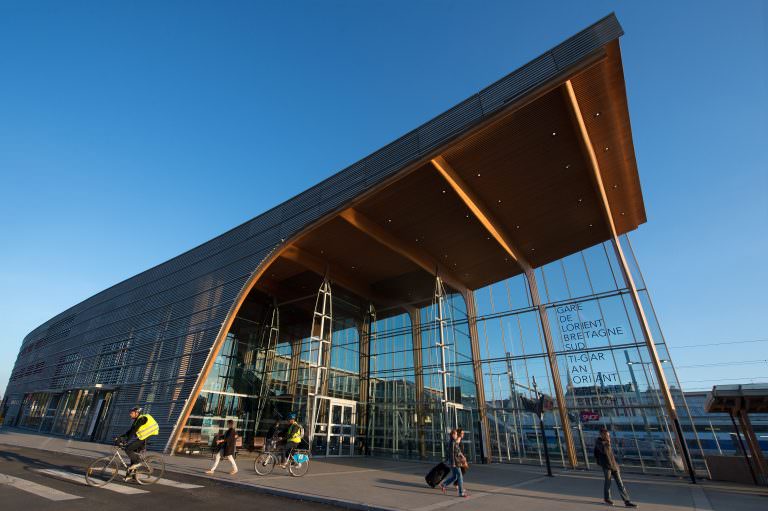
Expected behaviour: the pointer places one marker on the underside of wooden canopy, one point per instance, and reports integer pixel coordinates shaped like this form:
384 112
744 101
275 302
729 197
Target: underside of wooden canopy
515 192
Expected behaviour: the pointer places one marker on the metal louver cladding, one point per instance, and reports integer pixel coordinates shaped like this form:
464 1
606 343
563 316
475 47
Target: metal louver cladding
149 337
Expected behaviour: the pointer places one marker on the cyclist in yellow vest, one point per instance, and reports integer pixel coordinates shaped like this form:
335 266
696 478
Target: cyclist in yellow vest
293 436
143 427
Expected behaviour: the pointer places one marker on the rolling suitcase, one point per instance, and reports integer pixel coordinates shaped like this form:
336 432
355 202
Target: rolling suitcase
437 474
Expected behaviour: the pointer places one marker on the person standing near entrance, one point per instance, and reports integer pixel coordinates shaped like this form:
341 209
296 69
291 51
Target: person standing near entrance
455 461
227 446
293 436
607 460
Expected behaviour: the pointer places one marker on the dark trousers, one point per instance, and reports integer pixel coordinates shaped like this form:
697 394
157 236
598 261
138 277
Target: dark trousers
608 473
132 448
287 451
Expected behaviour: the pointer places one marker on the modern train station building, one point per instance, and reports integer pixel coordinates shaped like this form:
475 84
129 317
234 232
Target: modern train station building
469 274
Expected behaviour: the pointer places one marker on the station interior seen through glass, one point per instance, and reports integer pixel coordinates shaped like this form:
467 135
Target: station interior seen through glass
383 392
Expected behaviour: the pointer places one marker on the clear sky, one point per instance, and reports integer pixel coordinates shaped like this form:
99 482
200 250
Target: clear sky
133 131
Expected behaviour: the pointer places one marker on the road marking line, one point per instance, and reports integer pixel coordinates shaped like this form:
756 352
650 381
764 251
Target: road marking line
169 482
80 478
479 494
700 500
36 489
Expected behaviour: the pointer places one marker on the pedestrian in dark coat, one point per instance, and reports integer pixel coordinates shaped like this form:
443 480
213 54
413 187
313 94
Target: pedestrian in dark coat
607 460
226 445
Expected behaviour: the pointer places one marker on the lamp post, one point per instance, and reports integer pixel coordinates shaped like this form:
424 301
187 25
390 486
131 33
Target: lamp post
540 412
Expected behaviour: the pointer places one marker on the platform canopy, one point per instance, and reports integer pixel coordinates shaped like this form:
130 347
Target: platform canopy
751 398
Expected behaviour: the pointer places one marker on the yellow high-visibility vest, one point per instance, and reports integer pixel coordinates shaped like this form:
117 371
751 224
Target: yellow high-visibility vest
148 429
295 433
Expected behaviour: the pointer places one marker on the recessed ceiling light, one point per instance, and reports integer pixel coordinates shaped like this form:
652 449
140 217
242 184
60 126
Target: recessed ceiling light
498 201
517 227
554 133
567 166
580 201
443 191
615 186
597 114
478 174
605 149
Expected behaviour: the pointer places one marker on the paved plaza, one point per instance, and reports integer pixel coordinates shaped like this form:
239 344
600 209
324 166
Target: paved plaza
374 483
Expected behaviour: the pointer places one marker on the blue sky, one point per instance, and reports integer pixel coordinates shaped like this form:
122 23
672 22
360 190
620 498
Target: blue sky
133 131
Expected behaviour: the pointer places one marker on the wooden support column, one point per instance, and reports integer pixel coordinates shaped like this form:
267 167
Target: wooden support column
364 351
758 460
293 370
418 371
477 367
497 231
597 180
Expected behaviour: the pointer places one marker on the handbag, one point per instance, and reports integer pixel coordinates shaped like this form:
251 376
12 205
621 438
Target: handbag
462 463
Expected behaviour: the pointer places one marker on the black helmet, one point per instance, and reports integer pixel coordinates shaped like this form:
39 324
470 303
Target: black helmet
136 409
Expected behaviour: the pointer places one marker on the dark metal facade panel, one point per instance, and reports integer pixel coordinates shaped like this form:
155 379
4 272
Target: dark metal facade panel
150 336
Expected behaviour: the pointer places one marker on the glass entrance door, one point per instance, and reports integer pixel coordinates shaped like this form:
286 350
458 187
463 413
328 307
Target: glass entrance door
341 429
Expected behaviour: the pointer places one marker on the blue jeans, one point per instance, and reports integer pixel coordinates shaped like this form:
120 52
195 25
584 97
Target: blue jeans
455 476
607 474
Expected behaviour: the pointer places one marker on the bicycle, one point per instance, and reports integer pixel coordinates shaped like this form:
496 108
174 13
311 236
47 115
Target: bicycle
298 462
102 471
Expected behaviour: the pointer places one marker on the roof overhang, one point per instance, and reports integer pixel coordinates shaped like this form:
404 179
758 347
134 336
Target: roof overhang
516 191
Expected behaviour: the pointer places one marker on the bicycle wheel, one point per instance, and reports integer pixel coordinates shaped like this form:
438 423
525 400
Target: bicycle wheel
101 471
264 464
298 469
151 469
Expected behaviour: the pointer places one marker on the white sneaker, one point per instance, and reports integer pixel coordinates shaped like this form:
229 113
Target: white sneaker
209 471
134 466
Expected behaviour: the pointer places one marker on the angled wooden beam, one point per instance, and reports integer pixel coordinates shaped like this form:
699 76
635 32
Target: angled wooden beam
413 253
479 209
322 267
496 229
597 181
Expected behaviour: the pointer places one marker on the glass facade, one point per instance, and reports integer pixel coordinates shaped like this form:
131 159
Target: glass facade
604 365
384 390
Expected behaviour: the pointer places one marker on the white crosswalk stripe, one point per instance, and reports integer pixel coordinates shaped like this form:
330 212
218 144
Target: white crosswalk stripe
36 489
169 482
80 478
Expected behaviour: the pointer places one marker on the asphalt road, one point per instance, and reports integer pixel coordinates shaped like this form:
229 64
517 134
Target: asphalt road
40 480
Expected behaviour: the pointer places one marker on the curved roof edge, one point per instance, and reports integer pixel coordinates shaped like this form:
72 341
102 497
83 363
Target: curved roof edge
381 164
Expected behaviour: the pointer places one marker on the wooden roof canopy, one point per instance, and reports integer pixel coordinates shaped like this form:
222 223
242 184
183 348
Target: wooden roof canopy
518 190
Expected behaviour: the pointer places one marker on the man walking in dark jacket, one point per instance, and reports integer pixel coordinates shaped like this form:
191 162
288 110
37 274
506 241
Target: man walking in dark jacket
606 459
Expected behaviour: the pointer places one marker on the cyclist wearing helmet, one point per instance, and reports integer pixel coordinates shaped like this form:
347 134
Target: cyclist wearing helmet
135 439
293 436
